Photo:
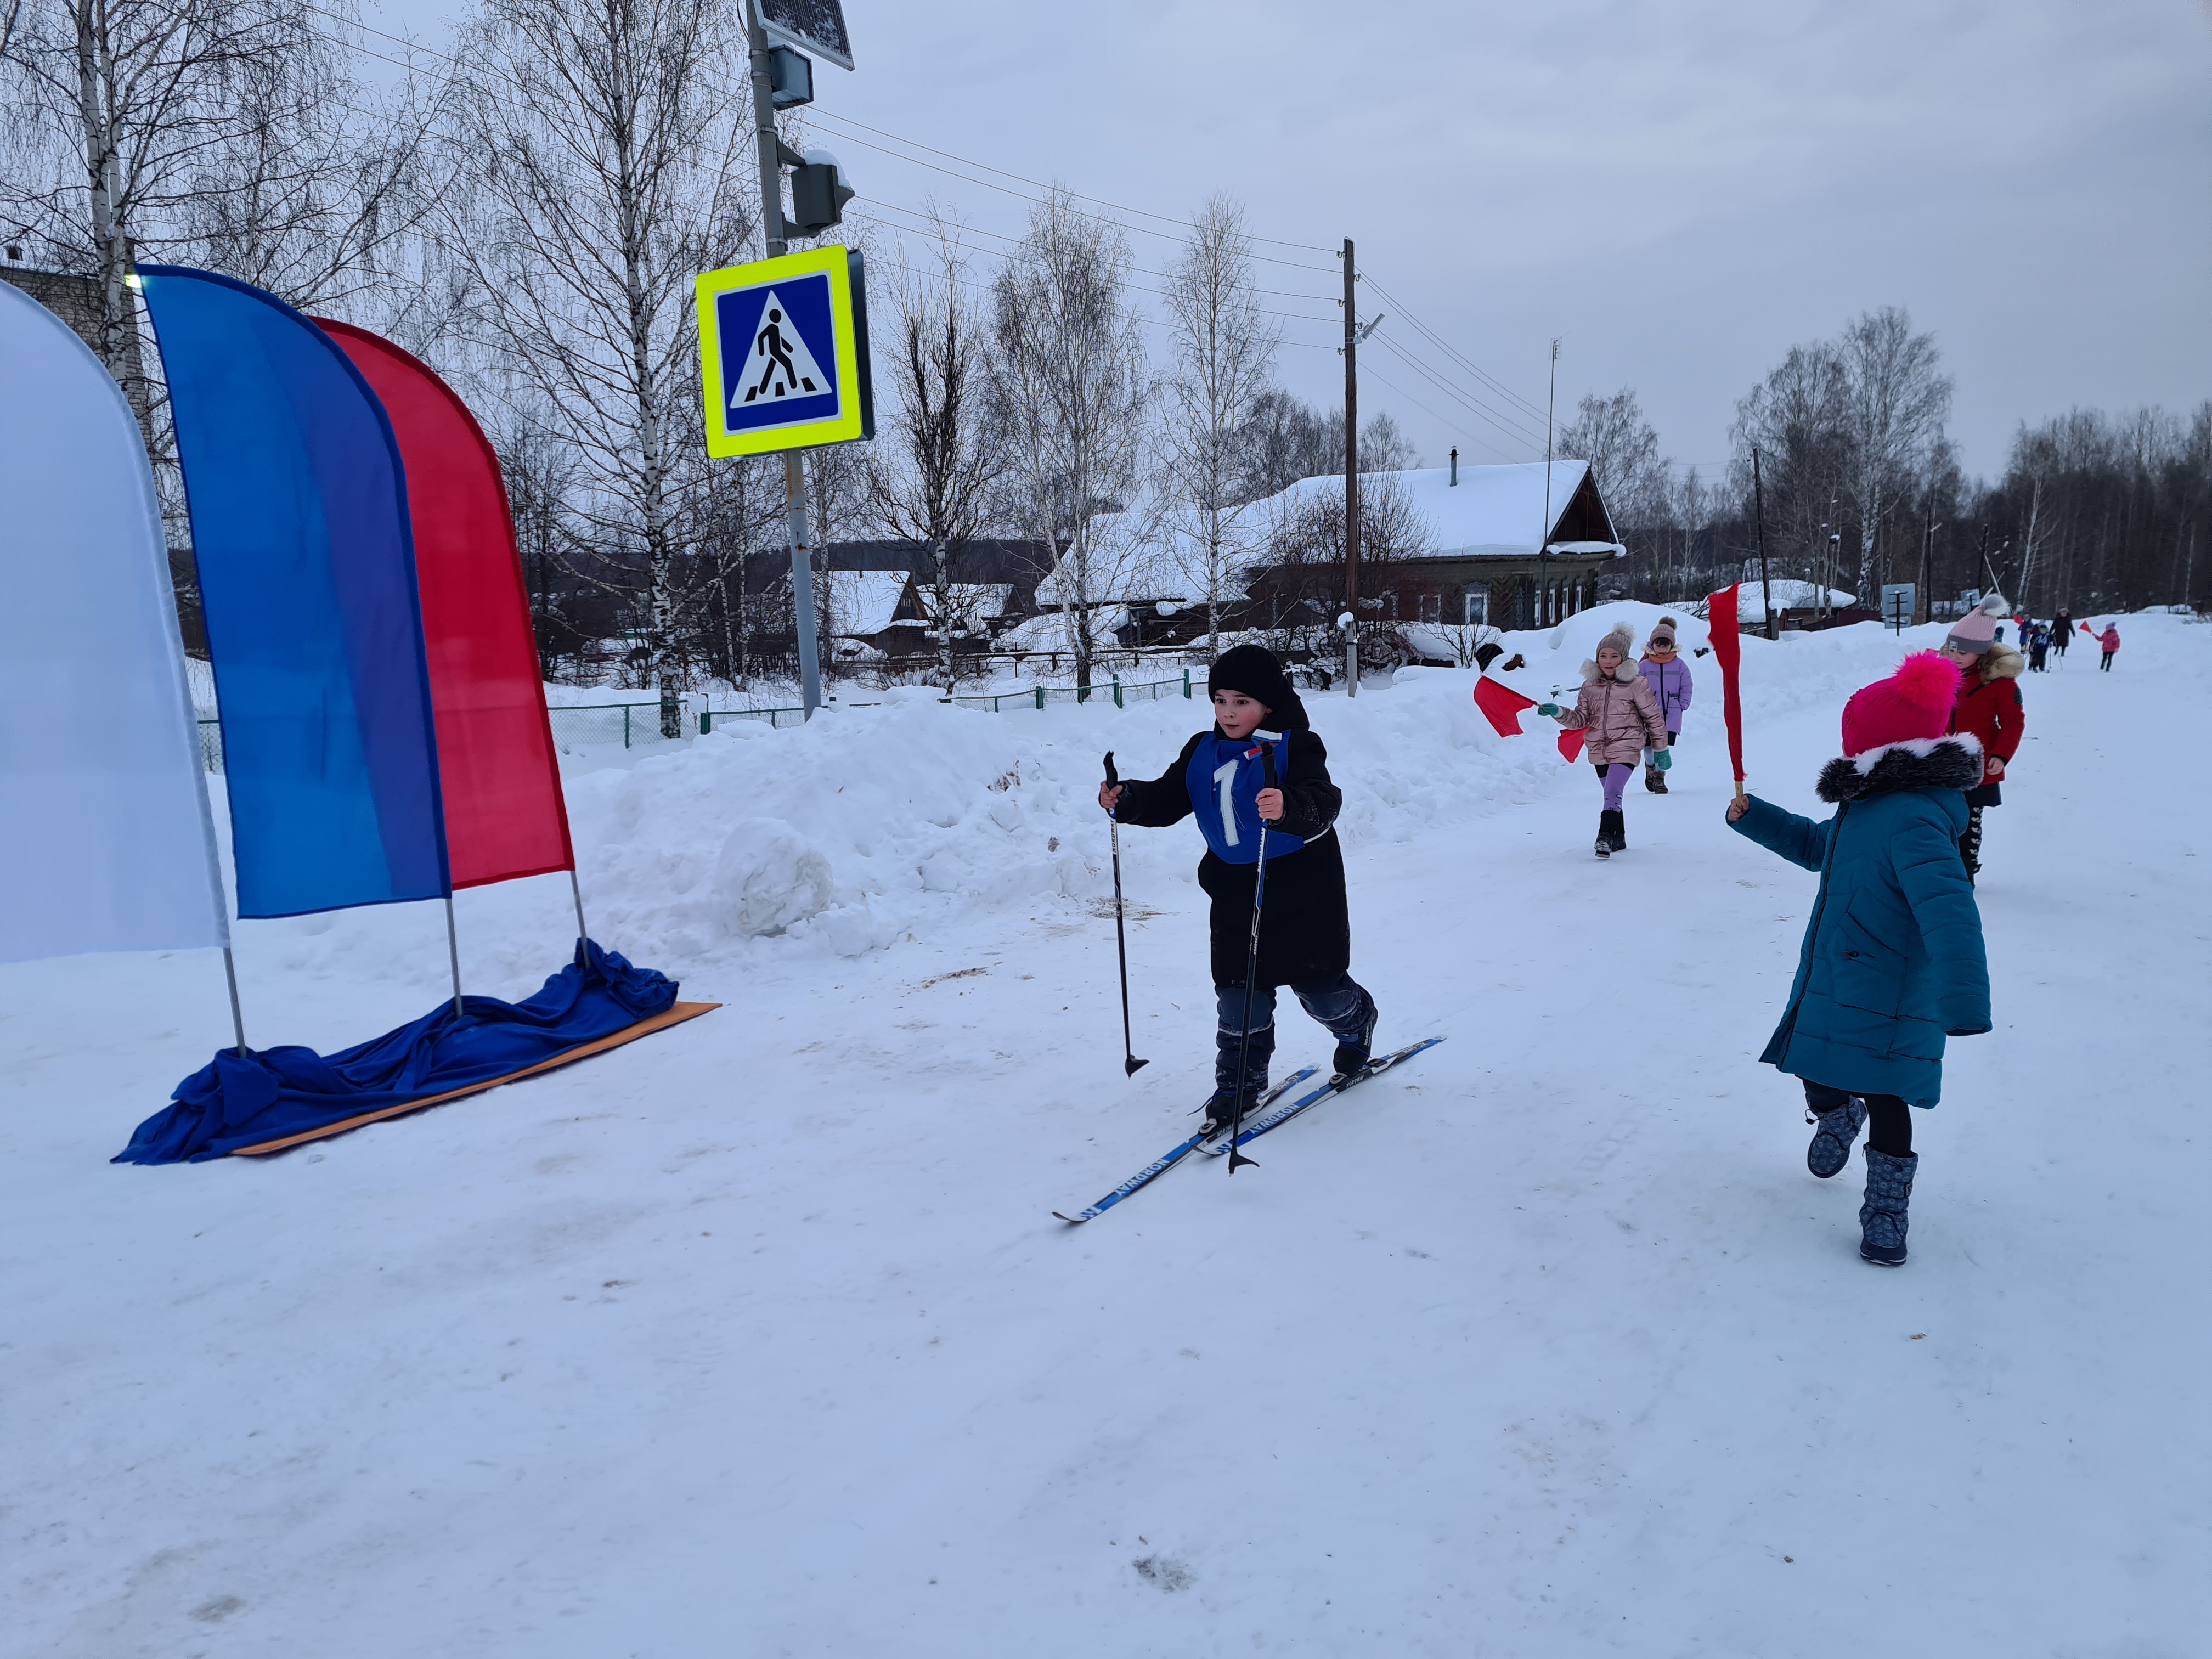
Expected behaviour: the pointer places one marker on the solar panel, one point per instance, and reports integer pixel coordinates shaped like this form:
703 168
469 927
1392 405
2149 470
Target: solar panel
816 26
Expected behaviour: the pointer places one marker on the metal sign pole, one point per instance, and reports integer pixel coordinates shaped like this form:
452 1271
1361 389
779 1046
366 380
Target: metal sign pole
1351 476
794 465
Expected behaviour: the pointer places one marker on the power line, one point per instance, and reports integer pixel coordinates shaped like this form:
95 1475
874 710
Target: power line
1512 427
816 111
1503 424
1449 350
995 253
1377 375
1273 241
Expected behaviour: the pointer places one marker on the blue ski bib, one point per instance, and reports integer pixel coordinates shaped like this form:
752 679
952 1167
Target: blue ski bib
1224 779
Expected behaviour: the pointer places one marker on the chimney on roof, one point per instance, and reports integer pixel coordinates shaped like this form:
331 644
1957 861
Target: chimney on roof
1455 458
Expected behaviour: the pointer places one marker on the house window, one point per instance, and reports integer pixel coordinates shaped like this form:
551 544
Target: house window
1432 607
1477 601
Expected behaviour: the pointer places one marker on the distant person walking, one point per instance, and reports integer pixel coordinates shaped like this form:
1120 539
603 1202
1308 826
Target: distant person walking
2039 647
2062 634
2109 642
1669 677
1989 706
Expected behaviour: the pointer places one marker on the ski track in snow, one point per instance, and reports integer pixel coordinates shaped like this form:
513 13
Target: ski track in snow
758 1337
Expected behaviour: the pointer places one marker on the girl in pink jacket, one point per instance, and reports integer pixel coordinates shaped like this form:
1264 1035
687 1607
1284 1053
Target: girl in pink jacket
2109 643
1623 718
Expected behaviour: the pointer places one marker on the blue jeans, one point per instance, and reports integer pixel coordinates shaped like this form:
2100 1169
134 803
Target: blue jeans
1340 1004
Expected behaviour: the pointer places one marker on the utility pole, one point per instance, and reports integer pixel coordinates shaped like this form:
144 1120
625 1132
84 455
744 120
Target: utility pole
1544 529
794 465
1351 478
1758 505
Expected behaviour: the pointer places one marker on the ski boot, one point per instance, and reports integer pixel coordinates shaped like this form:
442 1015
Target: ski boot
1354 1052
1881 1216
1219 1112
1832 1136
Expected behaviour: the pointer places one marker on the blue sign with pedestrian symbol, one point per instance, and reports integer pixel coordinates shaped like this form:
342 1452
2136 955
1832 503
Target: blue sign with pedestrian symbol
783 354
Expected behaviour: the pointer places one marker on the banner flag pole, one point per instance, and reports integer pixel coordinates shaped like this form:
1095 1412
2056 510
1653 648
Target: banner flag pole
454 950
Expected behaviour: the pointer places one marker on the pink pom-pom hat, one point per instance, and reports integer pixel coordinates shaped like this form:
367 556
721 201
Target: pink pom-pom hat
1914 703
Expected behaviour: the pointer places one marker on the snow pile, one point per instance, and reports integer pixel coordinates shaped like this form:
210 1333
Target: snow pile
875 825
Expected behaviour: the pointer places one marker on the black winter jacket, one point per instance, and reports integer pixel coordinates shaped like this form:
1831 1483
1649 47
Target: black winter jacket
1305 930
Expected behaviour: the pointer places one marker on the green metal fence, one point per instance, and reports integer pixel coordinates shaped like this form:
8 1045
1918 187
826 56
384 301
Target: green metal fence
637 724
604 725
1044 696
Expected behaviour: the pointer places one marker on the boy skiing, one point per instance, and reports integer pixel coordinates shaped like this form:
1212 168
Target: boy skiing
1893 961
1305 931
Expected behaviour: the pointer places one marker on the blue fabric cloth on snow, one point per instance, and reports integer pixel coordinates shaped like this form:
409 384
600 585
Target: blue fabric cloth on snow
268 1094
1892 960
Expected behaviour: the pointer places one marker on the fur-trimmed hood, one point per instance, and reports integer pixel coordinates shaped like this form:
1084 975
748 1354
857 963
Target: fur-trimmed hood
1947 762
1623 640
2000 662
1625 672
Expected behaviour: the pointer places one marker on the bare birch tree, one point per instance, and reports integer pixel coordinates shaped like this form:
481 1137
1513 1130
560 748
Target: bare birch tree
1895 400
1224 349
1070 388
226 132
613 166
930 475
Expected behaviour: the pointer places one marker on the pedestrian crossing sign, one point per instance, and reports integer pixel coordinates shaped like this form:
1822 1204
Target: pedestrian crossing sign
783 353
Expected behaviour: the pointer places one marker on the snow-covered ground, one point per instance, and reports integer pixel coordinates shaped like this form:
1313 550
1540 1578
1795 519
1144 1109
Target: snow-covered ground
757 1337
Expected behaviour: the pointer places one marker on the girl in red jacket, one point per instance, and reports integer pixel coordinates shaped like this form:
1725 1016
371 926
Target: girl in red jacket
1989 706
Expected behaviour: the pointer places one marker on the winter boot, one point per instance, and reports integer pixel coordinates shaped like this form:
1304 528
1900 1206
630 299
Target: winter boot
1881 1216
1832 1140
1604 848
1219 1113
1655 781
1614 827
1354 1051
1969 844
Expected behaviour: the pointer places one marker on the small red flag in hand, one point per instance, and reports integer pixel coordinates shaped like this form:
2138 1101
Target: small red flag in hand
1501 706
1571 744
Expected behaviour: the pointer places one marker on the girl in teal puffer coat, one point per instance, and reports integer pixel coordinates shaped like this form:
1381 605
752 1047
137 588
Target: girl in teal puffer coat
1893 961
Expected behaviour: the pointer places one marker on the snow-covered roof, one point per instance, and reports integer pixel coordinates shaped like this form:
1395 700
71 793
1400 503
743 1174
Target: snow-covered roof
863 601
1493 509
972 602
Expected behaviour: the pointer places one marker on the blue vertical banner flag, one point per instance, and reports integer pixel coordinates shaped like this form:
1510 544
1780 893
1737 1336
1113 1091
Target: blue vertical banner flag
306 564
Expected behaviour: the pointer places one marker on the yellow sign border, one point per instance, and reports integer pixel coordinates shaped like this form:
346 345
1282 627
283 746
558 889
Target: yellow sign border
834 262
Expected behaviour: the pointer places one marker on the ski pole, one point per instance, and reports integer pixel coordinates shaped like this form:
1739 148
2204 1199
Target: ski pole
1251 974
1129 1061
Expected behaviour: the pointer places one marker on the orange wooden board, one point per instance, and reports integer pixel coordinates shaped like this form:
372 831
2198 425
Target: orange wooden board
673 1016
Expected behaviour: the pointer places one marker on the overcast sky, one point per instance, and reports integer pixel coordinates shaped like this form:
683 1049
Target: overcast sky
1681 190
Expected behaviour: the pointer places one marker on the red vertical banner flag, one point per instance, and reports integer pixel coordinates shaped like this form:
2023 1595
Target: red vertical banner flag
1728 651
498 769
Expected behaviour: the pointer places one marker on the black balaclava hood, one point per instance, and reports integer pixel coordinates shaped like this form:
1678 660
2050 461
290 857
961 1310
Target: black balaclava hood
1253 670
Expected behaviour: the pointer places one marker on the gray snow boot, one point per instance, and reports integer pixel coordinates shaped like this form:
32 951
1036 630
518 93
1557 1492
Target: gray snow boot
1832 1140
1881 1216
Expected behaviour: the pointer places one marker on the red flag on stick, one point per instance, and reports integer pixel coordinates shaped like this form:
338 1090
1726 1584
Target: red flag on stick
1571 744
1728 651
1501 706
